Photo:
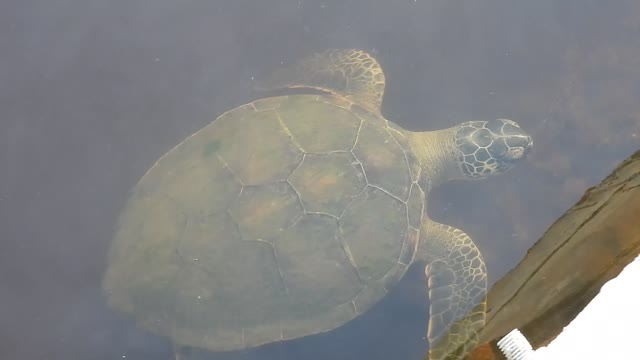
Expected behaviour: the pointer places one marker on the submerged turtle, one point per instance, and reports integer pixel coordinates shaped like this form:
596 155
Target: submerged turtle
292 215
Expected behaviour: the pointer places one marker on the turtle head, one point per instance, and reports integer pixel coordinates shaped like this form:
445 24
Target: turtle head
490 147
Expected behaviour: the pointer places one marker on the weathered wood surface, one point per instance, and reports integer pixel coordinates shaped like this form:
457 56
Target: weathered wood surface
586 247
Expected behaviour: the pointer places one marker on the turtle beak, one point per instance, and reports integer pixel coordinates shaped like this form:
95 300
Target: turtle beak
519 142
519 147
528 146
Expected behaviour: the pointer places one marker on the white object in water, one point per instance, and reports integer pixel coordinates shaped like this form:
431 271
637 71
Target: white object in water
516 347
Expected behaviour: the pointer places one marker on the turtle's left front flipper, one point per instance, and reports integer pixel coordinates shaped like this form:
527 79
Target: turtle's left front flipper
457 281
350 73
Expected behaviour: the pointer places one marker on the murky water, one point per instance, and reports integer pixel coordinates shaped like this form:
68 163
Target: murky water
93 92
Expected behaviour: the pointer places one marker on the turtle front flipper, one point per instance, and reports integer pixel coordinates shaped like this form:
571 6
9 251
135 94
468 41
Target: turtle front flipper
457 281
349 73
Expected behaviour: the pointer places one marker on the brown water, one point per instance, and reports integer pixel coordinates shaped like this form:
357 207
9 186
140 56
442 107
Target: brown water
93 92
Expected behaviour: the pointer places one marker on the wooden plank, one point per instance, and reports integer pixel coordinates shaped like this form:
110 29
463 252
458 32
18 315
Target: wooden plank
586 247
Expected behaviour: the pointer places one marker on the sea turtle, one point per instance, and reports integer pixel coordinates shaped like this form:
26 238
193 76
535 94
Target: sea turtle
293 214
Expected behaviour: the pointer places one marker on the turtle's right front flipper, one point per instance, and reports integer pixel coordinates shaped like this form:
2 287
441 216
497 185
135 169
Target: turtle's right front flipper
457 283
349 73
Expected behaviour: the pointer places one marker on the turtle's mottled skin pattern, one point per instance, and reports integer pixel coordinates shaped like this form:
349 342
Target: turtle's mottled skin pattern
293 205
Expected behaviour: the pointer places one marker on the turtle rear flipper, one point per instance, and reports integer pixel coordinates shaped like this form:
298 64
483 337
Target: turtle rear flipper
457 282
349 73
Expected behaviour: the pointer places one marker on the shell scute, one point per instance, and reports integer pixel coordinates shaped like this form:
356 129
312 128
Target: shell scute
317 126
327 183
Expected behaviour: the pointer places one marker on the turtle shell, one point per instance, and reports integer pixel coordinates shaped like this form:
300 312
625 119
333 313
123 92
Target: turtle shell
285 217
